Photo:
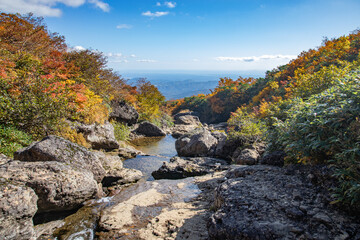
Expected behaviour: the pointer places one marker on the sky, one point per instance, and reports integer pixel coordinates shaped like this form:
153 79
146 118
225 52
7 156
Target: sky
194 35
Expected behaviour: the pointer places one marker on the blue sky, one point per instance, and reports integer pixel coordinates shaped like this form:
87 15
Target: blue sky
207 35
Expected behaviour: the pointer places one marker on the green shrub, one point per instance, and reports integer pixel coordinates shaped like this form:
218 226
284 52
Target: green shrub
326 129
245 126
12 140
121 131
163 121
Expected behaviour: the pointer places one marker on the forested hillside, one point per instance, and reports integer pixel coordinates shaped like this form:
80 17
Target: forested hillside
309 108
44 85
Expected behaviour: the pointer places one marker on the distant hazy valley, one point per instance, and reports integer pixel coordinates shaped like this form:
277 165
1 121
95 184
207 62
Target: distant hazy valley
180 85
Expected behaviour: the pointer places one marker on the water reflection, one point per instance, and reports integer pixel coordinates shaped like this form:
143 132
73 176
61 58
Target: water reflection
162 148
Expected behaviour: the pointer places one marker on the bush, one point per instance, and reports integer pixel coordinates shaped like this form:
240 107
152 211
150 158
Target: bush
326 129
246 126
163 121
121 131
69 133
12 140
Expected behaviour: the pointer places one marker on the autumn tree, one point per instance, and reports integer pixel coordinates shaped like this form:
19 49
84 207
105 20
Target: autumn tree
149 100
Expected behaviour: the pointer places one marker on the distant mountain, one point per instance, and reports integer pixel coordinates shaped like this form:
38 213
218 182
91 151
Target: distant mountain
180 85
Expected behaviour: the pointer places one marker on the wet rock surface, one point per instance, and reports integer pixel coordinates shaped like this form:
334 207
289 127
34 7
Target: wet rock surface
58 186
179 168
100 136
57 149
267 202
123 113
163 209
17 207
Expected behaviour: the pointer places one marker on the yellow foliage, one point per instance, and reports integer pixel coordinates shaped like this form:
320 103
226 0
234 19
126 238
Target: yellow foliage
94 111
274 85
72 135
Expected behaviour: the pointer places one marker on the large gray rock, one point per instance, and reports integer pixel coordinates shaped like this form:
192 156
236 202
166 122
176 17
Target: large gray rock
128 152
226 148
99 136
197 145
275 158
115 173
123 113
266 202
179 168
58 186
17 207
148 129
187 120
121 176
53 148
246 156
178 130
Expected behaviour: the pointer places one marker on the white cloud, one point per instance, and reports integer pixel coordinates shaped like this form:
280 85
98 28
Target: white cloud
100 4
124 26
46 7
170 4
76 48
154 14
146 60
253 58
196 60
166 4
133 55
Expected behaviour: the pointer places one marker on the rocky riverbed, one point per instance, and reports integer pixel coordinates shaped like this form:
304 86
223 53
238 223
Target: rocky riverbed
70 192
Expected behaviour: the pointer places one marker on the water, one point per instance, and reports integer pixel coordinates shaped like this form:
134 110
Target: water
82 224
159 149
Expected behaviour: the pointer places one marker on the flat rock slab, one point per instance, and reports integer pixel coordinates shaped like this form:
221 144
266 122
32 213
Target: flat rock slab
162 209
267 202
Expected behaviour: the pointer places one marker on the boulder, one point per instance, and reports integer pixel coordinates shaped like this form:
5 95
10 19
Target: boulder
266 202
121 176
115 173
99 136
148 129
275 158
246 156
180 130
17 207
58 186
182 114
53 148
128 152
187 120
179 168
109 161
226 148
123 113
197 145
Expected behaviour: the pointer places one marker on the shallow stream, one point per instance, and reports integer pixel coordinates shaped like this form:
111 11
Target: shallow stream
83 224
159 151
